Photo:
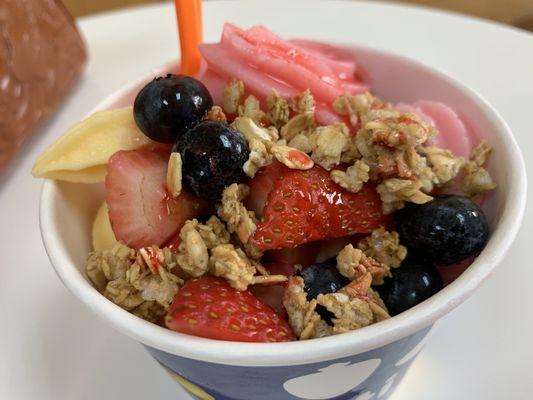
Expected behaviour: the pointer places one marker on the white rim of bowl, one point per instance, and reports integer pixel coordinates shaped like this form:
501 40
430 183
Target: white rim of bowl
329 348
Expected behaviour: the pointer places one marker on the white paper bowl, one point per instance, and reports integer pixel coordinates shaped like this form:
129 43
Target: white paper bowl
370 360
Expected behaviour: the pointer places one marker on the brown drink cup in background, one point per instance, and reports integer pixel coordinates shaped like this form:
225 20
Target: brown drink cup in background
41 55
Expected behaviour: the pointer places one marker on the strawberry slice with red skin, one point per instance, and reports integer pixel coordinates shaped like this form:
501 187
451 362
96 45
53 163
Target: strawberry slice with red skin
141 211
261 186
272 295
211 308
304 206
282 261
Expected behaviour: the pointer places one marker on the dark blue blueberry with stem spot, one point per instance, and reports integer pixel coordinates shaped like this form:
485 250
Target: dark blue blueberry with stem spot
444 231
168 106
213 155
413 282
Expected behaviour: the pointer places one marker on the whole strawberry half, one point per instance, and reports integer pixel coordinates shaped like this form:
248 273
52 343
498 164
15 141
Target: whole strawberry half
304 206
211 308
141 211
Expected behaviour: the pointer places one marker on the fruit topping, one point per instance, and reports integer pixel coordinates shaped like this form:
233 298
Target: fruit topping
284 261
82 153
303 206
213 155
211 308
412 283
322 278
168 106
445 230
141 211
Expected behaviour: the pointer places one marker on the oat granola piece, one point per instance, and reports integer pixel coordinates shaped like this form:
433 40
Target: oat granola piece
259 157
251 251
232 264
150 311
476 179
217 114
303 123
354 106
388 142
481 153
160 286
395 192
232 96
302 103
353 178
251 108
444 165
361 289
107 265
400 130
328 144
354 263
384 246
304 320
213 232
278 109
354 306
232 211
348 262
174 174
350 313
123 294
252 131
132 279
301 142
192 252
291 157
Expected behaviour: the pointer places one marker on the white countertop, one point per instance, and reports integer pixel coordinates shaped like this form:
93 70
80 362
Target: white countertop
52 347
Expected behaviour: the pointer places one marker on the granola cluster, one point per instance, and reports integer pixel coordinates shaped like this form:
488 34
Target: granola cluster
143 282
476 178
378 143
356 305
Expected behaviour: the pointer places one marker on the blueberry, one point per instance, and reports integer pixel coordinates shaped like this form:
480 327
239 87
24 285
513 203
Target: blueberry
444 231
167 107
212 155
411 283
323 278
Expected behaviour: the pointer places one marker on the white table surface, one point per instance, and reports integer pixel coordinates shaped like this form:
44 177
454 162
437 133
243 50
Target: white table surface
52 347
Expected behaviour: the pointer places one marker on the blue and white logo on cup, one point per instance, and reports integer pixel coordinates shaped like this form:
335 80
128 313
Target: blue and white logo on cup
368 376
331 381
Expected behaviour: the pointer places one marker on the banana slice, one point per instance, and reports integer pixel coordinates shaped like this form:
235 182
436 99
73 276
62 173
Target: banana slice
81 154
103 236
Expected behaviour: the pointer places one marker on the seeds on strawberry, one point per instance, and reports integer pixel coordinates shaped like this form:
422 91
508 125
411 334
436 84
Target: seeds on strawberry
141 211
210 307
303 206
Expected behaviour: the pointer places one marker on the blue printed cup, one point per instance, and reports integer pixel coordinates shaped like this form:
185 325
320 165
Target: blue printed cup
363 364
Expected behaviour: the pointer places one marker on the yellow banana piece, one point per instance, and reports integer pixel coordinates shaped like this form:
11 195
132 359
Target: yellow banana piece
103 236
81 153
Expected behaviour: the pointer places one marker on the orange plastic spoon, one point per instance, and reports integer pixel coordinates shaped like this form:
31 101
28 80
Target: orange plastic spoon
189 13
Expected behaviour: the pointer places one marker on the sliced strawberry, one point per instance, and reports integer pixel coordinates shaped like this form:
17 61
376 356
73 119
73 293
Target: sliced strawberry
272 295
211 308
303 206
141 211
282 261
261 186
